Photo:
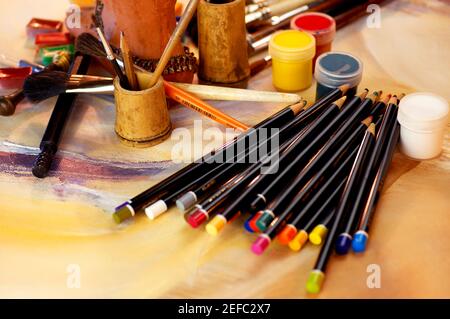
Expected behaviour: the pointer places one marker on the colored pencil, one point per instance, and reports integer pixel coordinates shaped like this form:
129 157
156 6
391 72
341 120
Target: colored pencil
226 170
322 123
305 116
305 211
284 207
349 117
360 238
344 240
317 276
129 208
302 209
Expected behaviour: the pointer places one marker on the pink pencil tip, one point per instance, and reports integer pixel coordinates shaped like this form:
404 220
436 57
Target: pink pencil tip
260 245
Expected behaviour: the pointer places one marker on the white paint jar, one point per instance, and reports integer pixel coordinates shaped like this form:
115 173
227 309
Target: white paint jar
423 118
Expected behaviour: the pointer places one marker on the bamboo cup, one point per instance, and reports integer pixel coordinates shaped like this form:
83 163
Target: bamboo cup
222 42
142 117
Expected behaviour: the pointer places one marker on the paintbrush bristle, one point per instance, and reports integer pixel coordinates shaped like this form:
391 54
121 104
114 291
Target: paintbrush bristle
87 44
43 85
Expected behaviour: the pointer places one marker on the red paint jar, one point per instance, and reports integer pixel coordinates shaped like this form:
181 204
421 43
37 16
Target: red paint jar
13 78
320 25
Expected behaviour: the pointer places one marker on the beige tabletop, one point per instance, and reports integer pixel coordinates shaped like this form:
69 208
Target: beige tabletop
58 238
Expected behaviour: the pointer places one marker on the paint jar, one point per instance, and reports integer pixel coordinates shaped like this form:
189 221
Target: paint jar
321 26
334 69
142 117
292 53
423 118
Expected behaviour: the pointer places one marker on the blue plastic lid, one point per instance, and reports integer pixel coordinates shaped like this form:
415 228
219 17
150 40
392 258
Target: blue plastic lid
334 69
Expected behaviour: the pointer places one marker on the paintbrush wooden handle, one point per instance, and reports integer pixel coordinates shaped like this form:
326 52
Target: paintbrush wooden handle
208 92
174 40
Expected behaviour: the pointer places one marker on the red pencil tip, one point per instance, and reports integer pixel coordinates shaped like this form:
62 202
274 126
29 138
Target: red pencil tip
197 218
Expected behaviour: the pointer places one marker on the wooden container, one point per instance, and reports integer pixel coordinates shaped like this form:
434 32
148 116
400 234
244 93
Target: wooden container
142 117
148 25
222 41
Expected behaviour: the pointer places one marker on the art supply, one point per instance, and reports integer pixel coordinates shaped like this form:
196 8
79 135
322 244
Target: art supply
423 118
321 26
317 275
336 68
128 63
260 65
6 61
260 39
124 83
301 188
292 52
274 10
47 55
88 44
129 208
195 103
222 42
350 121
188 200
333 173
255 180
46 84
38 26
57 83
60 115
52 39
9 102
142 117
349 224
174 40
12 78
360 238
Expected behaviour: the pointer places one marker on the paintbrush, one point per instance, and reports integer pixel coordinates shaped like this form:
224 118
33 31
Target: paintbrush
44 85
112 58
9 102
48 84
174 40
128 63
87 44
56 124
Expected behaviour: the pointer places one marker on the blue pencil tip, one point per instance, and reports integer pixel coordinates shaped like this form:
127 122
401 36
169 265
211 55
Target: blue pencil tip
359 243
247 226
343 244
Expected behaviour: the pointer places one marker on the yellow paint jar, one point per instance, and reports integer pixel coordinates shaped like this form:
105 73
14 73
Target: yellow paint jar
292 53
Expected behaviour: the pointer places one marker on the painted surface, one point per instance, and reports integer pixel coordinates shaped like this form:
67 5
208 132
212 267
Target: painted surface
47 226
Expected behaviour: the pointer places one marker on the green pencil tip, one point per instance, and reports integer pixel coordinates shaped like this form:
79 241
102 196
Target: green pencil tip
122 214
315 281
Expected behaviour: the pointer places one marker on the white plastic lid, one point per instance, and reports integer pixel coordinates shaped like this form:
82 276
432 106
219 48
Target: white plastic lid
423 111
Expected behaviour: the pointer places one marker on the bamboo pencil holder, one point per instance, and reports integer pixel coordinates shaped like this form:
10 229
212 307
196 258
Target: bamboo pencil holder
142 117
222 41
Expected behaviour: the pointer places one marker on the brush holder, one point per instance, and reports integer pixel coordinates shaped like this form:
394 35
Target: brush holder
222 41
142 117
